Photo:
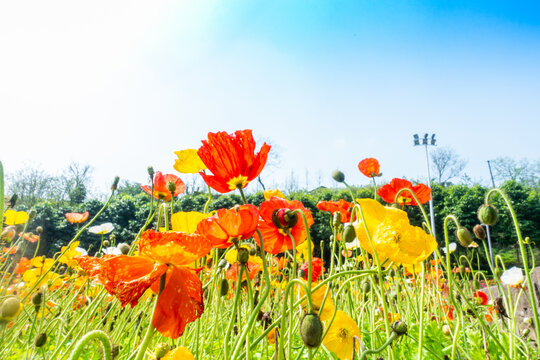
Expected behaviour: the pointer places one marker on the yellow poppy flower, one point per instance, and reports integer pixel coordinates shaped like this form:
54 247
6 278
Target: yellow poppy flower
317 298
232 254
339 338
188 162
269 193
13 217
69 254
302 251
180 353
392 236
187 221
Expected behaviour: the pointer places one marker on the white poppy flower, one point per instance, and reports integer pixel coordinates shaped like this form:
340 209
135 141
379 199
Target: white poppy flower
353 244
452 247
81 251
513 276
101 229
112 251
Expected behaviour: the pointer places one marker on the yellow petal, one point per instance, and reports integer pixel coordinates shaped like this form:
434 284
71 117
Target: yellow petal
188 162
180 353
269 193
187 221
15 217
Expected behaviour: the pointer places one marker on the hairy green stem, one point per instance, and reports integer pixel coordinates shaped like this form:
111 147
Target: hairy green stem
93 335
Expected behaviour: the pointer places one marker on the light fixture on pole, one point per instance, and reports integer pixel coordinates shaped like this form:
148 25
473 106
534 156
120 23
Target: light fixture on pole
425 142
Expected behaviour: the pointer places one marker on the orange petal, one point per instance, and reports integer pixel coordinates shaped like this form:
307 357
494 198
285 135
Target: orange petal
180 303
128 277
173 247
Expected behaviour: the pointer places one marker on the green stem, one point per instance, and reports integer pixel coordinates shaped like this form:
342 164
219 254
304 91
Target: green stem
383 346
1 196
93 335
208 201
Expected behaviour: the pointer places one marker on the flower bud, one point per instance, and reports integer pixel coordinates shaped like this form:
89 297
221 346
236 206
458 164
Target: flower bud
301 273
40 340
150 171
161 350
348 233
13 200
464 236
399 327
479 232
10 308
525 332
224 287
124 248
366 286
31 215
37 298
336 219
171 186
252 250
106 243
498 272
462 269
284 218
488 214
338 176
39 230
242 256
446 330
311 330
222 264
114 185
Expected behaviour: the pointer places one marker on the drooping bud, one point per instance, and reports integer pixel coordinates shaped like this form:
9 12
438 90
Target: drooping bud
479 232
222 264
252 250
10 308
242 256
114 185
348 233
284 218
106 243
311 330
37 298
488 214
39 230
446 330
366 286
13 200
338 176
150 171
40 340
399 327
124 248
161 350
464 236
224 287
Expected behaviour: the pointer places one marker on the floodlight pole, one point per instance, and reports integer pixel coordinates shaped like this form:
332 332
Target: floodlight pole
425 143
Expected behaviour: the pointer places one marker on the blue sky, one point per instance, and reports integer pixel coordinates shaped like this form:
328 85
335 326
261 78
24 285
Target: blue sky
122 86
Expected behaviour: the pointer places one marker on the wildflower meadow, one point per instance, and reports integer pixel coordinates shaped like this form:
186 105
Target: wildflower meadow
247 281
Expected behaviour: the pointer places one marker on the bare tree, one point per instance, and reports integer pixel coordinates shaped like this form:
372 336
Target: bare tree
274 157
31 184
523 170
75 181
447 164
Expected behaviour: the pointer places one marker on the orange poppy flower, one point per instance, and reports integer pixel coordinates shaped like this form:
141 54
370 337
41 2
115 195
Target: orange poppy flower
228 226
252 270
317 268
77 218
388 192
11 251
274 224
170 253
23 265
232 160
31 237
369 167
161 189
344 207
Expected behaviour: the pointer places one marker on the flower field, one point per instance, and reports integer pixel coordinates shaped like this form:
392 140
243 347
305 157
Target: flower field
243 282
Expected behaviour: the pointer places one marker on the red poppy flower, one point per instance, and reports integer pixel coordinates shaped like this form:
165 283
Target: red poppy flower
388 192
344 207
170 253
232 160
227 226
481 298
77 218
369 167
31 237
316 270
252 270
274 223
161 188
